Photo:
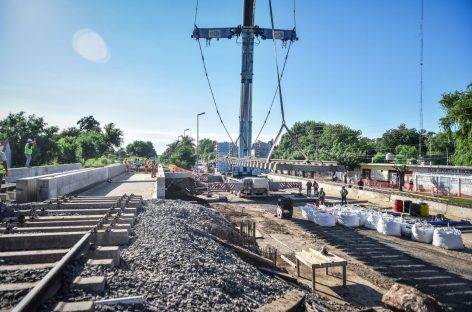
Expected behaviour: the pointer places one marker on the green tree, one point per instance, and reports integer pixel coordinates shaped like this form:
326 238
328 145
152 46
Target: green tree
88 123
17 128
207 149
141 149
458 124
68 149
91 144
379 157
113 135
326 142
406 154
398 136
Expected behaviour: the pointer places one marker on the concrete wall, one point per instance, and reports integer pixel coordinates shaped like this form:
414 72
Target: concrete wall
24 172
27 188
160 186
67 183
386 198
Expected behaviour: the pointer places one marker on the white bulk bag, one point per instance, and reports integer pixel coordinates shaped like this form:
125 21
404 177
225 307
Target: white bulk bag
406 229
372 220
422 232
348 219
324 219
307 213
448 237
389 227
362 217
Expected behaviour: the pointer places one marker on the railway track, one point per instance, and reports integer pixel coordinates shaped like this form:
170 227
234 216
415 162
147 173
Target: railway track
45 247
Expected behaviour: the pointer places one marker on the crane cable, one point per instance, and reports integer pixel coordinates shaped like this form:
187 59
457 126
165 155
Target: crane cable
281 75
284 125
208 78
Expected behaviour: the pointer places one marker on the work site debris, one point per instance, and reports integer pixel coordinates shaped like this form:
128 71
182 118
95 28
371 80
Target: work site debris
422 232
406 298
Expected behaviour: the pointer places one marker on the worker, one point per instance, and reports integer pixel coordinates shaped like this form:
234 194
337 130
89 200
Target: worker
146 166
3 168
321 196
410 185
315 188
126 163
344 193
153 168
29 151
308 188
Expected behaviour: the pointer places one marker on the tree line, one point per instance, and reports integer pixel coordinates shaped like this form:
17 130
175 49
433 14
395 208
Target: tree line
87 142
451 146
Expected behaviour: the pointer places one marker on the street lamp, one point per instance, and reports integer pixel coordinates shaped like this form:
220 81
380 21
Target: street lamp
185 130
198 116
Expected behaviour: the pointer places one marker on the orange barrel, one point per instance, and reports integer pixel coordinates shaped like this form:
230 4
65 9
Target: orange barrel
398 205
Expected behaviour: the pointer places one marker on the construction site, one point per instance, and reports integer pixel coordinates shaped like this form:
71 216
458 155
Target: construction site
241 232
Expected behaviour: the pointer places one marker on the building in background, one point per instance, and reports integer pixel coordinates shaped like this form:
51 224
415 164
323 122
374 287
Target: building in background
261 149
225 149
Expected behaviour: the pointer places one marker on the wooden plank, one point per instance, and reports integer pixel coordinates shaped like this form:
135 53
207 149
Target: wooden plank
288 302
331 258
288 261
301 257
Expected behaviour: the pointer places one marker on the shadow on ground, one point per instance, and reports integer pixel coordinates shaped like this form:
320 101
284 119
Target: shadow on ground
449 288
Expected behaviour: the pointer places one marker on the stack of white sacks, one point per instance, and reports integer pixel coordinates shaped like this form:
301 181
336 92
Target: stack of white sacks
353 216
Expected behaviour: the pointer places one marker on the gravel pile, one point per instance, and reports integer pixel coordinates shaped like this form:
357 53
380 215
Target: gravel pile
174 263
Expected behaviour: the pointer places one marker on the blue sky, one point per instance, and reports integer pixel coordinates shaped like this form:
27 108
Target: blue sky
356 63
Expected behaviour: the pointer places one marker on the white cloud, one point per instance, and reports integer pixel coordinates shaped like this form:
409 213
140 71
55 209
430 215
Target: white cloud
91 46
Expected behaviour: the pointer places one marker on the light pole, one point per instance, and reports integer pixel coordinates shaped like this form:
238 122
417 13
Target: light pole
198 116
185 130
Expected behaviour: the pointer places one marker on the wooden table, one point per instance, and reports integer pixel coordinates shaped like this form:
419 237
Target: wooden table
317 260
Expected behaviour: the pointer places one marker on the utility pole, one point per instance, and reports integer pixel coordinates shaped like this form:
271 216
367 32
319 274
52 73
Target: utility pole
420 147
185 130
196 161
248 31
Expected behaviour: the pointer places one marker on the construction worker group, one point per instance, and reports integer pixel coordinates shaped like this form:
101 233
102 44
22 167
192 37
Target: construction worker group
317 191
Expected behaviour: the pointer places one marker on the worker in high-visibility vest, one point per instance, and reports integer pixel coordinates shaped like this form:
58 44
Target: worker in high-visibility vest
146 166
3 167
29 151
125 162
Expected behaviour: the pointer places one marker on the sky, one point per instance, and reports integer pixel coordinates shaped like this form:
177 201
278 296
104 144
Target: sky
134 63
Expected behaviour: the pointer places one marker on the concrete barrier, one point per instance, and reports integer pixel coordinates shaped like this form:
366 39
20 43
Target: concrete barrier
73 182
160 186
24 172
115 170
27 188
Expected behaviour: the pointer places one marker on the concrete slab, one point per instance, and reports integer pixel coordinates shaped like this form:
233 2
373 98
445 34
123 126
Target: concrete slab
33 256
81 306
106 252
99 211
93 283
34 266
34 241
112 238
104 262
117 189
121 221
25 172
78 228
16 286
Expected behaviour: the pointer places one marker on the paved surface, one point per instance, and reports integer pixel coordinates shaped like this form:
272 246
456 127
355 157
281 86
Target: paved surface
127 183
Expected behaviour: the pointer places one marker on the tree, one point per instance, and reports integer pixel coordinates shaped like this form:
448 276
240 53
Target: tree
88 123
70 132
113 135
439 146
398 136
17 128
181 153
326 142
406 153
141 149
207 149
458 124
379 157
68 148
91 145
